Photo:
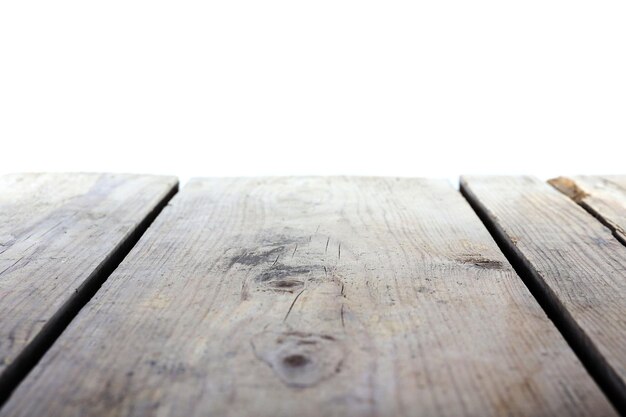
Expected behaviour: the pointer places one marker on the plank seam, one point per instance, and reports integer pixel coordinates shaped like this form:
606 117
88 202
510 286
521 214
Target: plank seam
32 353
594 362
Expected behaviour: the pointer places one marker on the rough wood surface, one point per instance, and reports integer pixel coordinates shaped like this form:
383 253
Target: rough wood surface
578 266
312 297
57 233
602 196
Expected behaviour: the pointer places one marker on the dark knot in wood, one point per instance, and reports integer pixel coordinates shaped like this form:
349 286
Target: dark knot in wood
299 359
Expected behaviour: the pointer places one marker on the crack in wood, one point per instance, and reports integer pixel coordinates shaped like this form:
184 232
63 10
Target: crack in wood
293 303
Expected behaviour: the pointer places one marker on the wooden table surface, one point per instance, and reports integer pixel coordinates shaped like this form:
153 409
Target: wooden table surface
312 296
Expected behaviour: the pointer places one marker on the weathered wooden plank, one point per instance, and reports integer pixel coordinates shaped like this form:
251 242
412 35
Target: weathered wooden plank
602 196
309 297
574 262
60 235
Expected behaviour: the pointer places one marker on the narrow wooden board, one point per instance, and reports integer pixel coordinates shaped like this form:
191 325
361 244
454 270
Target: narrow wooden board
575 262
312 297
59 233
602 196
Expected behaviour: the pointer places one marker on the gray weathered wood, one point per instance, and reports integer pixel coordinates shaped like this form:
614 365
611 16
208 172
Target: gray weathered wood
312 297
576 263
58 232
602 196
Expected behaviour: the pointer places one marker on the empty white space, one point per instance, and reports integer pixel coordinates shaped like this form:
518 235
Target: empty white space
300 87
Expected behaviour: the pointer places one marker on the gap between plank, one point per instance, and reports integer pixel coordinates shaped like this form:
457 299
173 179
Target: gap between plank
595 363
34 351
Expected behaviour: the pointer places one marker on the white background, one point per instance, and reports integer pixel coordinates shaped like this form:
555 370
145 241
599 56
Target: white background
221 88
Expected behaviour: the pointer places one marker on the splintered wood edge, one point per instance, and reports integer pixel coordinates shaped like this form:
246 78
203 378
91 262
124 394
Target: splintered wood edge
569 187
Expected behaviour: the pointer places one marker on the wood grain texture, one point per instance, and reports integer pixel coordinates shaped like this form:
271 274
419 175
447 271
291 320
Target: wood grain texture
57 234
602 196
576 263
312 297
